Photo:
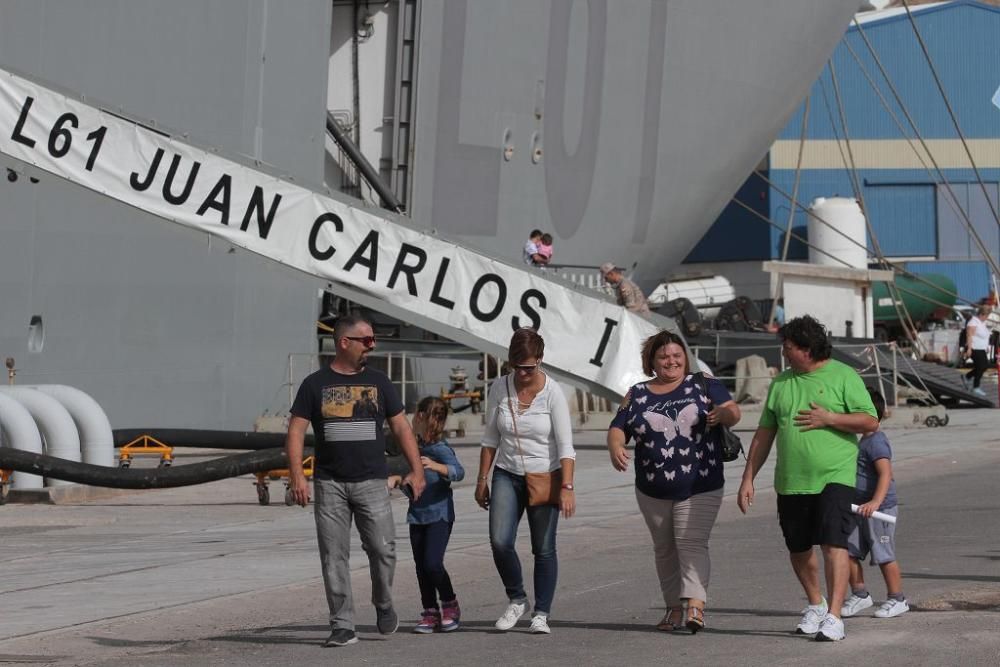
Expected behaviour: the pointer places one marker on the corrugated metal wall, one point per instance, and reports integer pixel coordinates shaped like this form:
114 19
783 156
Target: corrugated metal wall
972 279
913 216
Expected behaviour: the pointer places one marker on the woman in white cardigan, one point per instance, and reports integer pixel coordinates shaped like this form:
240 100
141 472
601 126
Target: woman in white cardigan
528 429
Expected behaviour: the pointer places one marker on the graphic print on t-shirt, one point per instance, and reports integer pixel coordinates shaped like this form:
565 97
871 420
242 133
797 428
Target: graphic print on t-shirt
683 422
349 412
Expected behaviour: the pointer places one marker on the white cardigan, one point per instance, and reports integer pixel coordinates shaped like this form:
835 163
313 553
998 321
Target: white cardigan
544 429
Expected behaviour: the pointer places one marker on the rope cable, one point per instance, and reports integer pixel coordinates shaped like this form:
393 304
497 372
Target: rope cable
779 284
923 143
899 124
951 111
909 328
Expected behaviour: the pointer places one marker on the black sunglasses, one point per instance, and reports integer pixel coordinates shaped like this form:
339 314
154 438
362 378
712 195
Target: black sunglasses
367 341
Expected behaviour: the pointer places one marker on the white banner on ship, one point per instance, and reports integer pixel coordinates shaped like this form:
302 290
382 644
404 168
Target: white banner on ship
587 337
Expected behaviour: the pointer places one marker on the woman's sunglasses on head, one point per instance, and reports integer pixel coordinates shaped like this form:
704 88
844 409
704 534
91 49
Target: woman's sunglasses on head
526 368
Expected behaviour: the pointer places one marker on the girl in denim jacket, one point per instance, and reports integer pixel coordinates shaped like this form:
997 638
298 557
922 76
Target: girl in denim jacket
432 517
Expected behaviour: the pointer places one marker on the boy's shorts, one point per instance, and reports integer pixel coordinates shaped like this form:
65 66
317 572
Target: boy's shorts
875 537
817 518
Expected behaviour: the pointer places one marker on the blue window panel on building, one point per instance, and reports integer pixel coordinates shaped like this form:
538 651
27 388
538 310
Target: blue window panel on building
903 218
972 279
954 239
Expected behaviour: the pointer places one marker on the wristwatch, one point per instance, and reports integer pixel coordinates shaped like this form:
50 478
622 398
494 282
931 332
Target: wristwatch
568 487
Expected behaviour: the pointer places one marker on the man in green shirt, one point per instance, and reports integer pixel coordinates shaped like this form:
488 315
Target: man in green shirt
815 408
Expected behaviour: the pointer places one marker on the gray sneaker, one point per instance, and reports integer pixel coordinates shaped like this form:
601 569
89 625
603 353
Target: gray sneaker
386 620
812 616
854 604
892 608
341 637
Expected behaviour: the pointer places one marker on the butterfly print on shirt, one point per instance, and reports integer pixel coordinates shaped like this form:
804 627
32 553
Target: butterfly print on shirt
682 425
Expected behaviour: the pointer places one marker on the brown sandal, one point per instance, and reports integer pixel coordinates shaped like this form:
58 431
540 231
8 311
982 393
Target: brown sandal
667 625
695 619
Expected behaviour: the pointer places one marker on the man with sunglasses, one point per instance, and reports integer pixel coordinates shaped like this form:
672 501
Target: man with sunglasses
348 405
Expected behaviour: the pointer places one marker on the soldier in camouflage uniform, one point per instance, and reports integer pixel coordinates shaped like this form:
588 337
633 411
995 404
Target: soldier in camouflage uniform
626 291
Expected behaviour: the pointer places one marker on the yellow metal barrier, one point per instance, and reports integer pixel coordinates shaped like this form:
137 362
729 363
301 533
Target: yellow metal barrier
264 493
5 476
145 445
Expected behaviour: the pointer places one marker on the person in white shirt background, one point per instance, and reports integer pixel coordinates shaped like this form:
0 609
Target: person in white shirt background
977 341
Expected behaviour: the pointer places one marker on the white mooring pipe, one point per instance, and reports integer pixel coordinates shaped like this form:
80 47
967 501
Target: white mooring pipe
22 433
97 442
54 423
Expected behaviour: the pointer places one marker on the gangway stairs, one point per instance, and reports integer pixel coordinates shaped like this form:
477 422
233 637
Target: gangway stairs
381 260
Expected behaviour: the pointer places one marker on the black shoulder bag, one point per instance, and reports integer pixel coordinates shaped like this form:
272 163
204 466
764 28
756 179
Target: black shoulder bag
728 441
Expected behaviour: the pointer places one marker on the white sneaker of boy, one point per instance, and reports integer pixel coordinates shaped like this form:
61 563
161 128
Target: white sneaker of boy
854 604
892 608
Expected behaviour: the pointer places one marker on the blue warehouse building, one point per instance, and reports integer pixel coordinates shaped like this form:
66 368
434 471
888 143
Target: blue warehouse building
916 220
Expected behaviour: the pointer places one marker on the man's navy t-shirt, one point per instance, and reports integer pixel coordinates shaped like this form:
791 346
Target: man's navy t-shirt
348 414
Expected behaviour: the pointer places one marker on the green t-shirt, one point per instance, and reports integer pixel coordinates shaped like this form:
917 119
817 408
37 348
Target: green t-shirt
809 460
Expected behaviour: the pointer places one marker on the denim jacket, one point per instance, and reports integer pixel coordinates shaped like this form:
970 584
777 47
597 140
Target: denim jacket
436 503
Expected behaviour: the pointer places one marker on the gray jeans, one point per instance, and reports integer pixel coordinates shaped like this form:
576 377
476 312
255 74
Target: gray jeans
368 503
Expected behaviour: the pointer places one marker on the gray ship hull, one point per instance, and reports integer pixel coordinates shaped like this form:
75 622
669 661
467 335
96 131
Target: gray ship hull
628 136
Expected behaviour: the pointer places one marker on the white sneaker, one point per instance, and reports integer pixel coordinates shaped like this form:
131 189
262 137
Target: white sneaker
831 629
515 610
540 625
812 616
892 608
854 604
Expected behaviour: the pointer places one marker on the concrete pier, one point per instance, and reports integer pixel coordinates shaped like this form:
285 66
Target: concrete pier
205 575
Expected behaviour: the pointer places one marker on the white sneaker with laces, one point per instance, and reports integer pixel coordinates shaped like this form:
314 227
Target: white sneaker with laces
540 625
812 616
892 608
515 610
831 629
854 604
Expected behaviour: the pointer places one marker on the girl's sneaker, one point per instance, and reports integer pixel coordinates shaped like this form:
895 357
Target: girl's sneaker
450 616
430 620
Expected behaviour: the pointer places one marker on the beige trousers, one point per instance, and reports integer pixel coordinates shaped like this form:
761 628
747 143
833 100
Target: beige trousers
680 530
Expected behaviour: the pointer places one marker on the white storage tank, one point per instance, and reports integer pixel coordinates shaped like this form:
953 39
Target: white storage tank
845 223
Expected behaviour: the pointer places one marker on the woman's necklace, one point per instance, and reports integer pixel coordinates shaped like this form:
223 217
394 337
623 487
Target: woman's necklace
667 385
528 392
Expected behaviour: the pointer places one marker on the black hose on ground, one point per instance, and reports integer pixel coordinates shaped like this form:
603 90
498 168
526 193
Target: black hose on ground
157 478
142 478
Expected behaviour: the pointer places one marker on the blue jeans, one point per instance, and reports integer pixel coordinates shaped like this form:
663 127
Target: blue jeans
508 501
367 503
429 541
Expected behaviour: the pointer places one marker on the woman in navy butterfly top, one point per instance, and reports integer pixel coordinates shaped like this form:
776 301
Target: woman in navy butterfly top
678 470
